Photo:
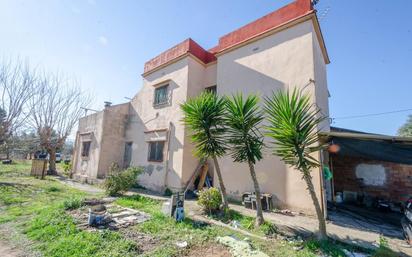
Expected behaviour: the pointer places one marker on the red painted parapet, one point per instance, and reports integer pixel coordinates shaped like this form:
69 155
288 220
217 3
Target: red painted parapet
268 22
278 18
187 46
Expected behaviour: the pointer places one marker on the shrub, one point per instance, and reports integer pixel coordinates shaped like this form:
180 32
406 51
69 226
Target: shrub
210 199
67 167
53 189
269 229
72 203
119 181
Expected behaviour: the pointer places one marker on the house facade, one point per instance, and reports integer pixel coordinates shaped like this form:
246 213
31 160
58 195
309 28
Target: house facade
281 50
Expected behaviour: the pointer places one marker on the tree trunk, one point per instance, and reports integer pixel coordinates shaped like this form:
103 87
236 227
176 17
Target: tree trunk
321 219
259 214
221 184
52 161
7 151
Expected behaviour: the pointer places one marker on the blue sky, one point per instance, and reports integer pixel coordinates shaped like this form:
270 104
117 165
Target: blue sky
104 44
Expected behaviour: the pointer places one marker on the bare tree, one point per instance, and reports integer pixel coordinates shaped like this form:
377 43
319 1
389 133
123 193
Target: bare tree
17 81
55 111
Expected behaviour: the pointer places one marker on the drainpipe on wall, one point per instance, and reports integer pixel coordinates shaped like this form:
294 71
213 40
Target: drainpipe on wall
75 152
166 164
322 189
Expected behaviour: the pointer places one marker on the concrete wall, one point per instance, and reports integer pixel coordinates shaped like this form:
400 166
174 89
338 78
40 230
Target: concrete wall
376 179
144 117
105 130
90 129
113 138
282 60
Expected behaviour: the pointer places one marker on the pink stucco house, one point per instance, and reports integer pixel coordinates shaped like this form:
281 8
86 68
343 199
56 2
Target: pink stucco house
282 49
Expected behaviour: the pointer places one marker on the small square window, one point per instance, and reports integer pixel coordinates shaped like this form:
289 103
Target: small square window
86 148
161 95
156 151
212 89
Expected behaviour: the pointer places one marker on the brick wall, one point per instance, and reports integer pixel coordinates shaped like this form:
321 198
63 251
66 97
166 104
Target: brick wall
394 185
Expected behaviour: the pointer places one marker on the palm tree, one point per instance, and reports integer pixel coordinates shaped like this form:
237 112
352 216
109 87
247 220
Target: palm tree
243 122
204 116
293 124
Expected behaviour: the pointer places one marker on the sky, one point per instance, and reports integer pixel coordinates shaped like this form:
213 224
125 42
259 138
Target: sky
104 44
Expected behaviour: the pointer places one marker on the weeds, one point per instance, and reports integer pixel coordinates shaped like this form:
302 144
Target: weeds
73 203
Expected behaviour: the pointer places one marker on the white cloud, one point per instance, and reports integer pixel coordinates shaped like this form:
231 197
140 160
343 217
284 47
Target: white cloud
103 40
91 2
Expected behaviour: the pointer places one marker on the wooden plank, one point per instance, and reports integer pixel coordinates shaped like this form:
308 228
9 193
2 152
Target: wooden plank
193 177
202 179
38 168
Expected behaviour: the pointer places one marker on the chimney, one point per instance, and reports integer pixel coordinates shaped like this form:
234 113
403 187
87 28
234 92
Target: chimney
107 104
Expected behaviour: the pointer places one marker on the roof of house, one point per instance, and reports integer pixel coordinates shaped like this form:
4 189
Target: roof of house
269 22
369 146
336 132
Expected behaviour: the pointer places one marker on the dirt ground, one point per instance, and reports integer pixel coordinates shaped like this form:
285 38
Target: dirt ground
213 250
8 251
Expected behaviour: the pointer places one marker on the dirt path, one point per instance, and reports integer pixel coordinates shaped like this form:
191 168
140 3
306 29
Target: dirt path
83 187
8 251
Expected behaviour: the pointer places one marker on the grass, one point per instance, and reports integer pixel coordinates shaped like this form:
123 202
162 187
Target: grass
168 231
36 209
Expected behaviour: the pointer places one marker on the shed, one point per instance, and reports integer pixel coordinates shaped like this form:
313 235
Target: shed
369 168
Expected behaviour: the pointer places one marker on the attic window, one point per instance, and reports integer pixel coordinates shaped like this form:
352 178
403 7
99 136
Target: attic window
160 95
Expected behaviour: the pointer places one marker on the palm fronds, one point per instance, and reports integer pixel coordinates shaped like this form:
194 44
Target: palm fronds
243 121
204 116
293 124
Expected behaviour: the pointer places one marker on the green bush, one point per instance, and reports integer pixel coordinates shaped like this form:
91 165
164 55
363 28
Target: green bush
210 199
53 189
268 229
119 181
73 203
67 167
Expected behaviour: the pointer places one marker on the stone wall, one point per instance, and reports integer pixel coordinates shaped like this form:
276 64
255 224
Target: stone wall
377 179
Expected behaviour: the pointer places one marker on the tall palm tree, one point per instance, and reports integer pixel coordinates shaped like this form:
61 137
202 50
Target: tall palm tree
243 122
293 124
204 116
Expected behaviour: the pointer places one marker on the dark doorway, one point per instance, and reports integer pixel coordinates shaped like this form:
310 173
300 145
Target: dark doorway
127 154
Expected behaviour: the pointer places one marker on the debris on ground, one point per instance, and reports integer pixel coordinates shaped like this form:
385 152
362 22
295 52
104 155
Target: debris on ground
97 215
286 212
235 224
212 250
354 254
181 244
144 242
240 248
